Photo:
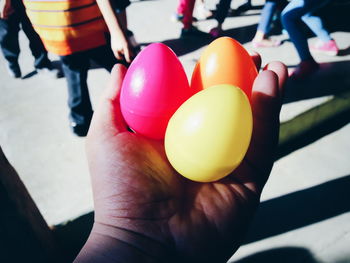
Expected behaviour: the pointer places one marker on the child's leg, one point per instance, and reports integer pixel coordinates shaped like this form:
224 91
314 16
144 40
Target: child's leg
291 19
315 23
186 8
222 10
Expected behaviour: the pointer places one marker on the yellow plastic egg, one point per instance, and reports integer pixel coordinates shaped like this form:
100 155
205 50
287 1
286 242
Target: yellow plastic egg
208 136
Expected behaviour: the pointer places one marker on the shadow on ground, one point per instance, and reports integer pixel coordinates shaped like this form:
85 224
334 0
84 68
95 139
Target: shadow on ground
301 208
310 135
281 254
184 46
56 64
275 216
331 79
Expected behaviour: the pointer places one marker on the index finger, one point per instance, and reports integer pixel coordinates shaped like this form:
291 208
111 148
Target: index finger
127 54
256 59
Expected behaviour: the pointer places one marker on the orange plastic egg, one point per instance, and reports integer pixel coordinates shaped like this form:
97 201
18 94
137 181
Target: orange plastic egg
225 61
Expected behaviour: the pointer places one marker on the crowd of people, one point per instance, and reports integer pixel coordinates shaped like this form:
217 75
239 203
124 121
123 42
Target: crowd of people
96 30
290 13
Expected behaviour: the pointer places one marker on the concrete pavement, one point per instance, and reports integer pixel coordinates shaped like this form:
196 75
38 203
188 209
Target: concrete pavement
305 211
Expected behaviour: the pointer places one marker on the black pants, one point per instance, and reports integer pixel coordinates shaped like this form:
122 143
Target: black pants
120 5
9 30
75 68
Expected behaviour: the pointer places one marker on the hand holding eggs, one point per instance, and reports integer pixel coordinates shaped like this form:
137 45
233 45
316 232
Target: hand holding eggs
208 125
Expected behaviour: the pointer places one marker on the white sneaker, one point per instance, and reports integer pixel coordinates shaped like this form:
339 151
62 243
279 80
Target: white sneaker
201 12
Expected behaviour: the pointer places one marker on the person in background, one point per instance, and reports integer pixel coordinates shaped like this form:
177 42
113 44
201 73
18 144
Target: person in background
120 43
185 15
222 11
201 12
261 38
78 33
293 14
244 7
146 212
12 18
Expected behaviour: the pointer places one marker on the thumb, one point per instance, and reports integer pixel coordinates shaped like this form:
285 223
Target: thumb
266 104
108 120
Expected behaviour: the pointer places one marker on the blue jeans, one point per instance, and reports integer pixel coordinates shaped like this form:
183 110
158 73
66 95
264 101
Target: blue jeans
75 68
268 12
292 16
9 43
266 16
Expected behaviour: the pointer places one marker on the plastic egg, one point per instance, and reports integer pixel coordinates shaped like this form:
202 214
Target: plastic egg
208 136
225 61
154 87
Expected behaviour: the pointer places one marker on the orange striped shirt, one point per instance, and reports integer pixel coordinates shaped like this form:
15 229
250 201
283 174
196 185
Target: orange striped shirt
67 26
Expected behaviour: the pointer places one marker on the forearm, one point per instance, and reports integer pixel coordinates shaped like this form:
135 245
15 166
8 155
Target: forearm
110 18
110 244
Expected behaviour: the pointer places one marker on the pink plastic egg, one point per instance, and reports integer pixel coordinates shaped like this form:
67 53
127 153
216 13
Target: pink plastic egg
154 87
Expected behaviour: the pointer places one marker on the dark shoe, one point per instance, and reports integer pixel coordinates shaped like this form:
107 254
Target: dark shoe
51 71
80 130
193 32
216 32
14 70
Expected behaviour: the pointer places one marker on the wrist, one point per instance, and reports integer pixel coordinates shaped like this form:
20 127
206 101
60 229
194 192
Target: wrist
112 244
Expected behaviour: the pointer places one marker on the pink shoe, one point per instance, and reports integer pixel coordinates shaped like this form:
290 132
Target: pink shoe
266 43
304 69
215 32
329 48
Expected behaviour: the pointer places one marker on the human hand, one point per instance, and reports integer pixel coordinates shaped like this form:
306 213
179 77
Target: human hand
122 47
146 212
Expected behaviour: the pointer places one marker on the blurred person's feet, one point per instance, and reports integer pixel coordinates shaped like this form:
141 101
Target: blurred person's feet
80 130
305 69
201 12
176 17
50 70
329 48
267 42
193 32
14 70
216 32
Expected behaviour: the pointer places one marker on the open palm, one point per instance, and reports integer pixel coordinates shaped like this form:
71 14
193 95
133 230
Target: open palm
141 201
